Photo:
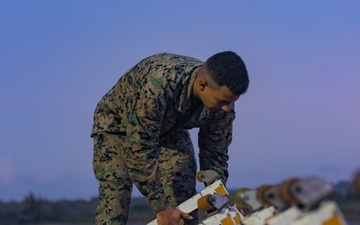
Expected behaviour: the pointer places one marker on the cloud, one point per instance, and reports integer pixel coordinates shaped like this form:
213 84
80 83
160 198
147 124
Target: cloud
7 171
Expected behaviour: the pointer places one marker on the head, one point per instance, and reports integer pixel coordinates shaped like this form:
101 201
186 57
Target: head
221 80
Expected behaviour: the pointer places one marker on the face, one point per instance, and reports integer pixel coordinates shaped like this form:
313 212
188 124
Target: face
218 99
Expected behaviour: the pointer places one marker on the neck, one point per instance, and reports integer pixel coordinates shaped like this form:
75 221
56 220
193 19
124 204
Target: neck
196 102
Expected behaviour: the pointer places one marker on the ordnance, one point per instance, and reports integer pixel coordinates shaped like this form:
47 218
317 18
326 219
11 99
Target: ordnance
293 202
304 193
212 200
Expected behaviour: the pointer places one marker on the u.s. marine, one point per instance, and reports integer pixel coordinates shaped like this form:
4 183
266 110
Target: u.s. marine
141 136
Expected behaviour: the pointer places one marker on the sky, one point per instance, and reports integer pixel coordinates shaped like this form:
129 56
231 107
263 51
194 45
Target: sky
299 117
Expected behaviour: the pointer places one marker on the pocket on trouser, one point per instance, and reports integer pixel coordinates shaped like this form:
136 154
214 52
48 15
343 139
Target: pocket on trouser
114 183
108 159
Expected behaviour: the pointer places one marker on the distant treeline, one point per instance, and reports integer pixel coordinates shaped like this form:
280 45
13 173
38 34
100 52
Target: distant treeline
34 210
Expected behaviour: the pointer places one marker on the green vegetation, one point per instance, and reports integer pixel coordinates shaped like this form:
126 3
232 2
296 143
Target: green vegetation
34 210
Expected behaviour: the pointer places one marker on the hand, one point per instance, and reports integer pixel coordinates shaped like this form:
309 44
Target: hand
171 216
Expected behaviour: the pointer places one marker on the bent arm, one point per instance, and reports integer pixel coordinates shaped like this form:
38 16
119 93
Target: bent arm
142 152
214 140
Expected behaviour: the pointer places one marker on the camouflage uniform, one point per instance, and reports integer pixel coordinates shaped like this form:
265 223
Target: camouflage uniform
140 136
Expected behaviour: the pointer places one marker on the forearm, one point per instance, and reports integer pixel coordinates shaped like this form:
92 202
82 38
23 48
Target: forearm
210 160
214 141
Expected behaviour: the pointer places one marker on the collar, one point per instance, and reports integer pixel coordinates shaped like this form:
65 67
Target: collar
185 96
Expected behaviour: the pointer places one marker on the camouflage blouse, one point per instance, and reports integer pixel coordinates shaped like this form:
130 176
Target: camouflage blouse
149 102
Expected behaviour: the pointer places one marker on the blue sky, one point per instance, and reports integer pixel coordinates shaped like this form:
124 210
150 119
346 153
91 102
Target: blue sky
300 116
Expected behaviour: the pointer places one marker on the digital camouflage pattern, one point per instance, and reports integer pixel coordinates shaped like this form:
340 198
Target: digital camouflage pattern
140 136
176 173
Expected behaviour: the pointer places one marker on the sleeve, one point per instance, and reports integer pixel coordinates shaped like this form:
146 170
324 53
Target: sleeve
214 140
143 151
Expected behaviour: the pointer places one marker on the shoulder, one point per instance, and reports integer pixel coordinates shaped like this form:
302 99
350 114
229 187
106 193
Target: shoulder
166 67
170 59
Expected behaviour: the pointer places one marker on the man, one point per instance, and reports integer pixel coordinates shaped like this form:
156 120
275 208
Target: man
141 134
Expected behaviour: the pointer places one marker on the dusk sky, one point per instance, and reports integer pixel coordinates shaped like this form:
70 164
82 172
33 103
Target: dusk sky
299 118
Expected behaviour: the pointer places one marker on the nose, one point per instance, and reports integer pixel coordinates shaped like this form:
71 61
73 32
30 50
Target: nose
226 107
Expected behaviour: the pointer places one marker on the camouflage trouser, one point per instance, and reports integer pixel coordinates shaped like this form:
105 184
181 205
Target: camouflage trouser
177 173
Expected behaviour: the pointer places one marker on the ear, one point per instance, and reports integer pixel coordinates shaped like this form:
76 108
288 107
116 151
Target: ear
202 84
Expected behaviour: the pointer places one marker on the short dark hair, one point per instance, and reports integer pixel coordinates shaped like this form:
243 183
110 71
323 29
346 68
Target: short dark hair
227 68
